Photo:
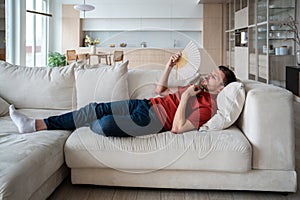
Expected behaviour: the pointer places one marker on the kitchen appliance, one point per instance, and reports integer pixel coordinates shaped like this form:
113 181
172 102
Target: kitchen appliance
282 50
241 37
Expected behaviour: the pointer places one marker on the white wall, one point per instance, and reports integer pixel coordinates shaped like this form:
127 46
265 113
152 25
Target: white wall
125 15
141 8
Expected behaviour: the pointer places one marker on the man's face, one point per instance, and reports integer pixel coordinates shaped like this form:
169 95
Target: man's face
214 81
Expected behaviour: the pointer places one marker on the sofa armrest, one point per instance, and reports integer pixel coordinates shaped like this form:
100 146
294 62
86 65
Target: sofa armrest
268 122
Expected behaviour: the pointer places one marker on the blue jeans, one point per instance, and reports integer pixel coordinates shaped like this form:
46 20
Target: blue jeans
119 119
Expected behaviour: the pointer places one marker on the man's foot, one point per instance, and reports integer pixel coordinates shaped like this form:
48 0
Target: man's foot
24 123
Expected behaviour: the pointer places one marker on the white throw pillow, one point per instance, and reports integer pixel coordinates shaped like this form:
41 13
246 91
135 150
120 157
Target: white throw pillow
101 84
3 107
230 103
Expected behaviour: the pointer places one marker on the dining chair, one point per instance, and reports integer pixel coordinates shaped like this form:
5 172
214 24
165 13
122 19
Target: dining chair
118 56
71 56
82 56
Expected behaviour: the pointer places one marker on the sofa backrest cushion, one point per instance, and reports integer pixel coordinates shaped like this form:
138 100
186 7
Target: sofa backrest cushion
142 82
101 84
37 87
230 103
3 107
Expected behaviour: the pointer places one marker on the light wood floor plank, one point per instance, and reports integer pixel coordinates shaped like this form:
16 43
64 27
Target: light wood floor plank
196 195
148 194
168 194
244 195
78 192
125 194
295 196
62 191
220 195
103 193
270 196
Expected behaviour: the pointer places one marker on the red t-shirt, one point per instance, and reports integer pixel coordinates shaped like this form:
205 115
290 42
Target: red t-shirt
200 108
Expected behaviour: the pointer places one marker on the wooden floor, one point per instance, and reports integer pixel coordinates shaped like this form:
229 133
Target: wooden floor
87 192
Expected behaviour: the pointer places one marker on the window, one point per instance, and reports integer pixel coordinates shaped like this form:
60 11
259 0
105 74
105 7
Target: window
37 23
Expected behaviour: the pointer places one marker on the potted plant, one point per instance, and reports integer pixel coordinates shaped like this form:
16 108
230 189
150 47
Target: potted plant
56 59
92 43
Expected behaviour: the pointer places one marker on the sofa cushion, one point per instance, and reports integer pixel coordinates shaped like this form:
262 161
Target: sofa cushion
28 160
102 84
37 87
142 81
3 107
226 150
267 121
230 103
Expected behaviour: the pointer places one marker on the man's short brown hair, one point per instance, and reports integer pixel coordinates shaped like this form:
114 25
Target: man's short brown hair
229 75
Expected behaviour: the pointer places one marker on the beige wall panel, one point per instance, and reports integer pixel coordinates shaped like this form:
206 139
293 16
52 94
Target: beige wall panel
212 11
70 28
214 57
212 34
213 31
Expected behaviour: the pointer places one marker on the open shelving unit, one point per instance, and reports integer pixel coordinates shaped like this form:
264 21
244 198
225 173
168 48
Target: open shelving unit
266 34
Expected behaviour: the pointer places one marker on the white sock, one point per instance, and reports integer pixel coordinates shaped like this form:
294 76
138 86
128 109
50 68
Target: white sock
25 124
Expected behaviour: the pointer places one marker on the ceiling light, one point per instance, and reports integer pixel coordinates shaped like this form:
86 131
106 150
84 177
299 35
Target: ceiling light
84 7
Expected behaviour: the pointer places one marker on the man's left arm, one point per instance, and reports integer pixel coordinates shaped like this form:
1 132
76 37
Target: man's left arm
180 123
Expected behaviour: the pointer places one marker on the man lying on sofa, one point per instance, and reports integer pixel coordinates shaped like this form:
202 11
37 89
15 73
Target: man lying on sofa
176 109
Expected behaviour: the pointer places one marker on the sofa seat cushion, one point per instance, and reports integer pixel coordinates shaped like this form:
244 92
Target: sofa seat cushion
28 160
226 150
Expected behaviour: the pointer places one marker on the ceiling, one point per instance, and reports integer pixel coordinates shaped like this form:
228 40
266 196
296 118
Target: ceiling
211 1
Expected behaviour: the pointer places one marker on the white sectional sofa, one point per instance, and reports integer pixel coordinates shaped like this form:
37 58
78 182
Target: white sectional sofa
257 152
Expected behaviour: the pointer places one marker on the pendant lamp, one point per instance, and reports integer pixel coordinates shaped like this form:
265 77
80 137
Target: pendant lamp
84 7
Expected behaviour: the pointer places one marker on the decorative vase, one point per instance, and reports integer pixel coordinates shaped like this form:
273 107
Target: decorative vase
298 57
93 49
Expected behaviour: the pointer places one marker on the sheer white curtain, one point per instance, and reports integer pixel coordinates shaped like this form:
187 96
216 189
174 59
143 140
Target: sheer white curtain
27 28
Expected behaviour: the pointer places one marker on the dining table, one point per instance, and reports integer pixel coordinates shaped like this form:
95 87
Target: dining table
102 55
99 55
